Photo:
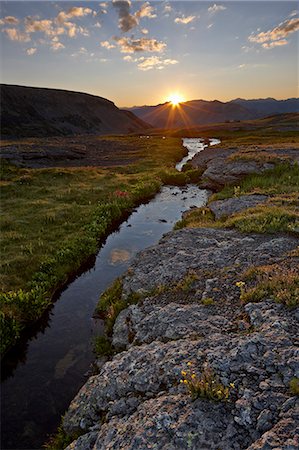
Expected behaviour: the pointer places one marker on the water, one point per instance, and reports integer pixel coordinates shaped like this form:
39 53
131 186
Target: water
194 146
43 374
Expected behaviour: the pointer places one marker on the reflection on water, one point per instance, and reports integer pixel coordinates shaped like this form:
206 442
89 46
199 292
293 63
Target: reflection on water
194 146
44 372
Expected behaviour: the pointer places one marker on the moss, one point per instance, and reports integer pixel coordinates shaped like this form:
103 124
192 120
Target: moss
60 440
294 386
102 346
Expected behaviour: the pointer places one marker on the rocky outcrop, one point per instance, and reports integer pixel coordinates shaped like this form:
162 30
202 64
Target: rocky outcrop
220 169
136 401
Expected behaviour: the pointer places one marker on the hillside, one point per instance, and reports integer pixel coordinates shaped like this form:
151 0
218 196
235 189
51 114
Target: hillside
41 112
202 112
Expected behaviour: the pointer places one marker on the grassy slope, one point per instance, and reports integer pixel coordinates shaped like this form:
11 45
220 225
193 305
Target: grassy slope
53 220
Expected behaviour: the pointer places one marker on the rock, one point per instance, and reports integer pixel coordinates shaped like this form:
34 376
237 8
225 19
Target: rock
224 208
204 248
85 442
221 172
137 401
284 436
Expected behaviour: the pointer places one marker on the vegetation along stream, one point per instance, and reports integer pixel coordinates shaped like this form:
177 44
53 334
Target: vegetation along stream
44 372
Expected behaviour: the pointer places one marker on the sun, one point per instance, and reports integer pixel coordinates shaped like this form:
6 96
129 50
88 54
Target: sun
175 98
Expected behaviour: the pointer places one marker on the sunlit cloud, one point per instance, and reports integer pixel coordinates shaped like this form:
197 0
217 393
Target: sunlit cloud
151 62
44 26
31 51
16 35
216 8
144 31
277 36
275 43
129 45
210 26
146 10
107 45
154 62
75 11
55 46
294 13
184 20
9 20
97 25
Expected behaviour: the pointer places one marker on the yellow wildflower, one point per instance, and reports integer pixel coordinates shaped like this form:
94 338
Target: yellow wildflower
193 376
232 385
240 284
185 381
183 373
189 363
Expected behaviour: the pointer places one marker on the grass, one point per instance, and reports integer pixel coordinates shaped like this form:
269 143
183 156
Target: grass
278 214
53 220
277 282
60 440
102 346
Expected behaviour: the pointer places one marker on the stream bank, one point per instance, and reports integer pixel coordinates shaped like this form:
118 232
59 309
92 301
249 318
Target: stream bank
41 379
192 327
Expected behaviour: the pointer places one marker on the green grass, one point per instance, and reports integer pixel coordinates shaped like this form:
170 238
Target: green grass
278 214
277 282
102 346
53 220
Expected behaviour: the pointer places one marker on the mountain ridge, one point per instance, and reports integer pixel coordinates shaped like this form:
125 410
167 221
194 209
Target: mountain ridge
42 112
201 112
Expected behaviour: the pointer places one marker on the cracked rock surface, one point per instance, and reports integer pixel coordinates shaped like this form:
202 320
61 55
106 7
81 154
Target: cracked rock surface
136 401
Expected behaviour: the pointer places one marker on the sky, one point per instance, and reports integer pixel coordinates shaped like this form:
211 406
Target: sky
139 52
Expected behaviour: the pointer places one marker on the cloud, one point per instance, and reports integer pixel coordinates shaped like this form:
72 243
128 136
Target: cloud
167 10
275 43
293 13
9 20
128 58
45 26
216 8
126 21
277 36
75 11
144 31
106 44
15 35
130 45
55 46
31 51
210 26
154 62
97 25
184 20
146 10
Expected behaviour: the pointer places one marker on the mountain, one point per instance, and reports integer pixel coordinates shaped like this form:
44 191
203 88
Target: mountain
38 112
201 112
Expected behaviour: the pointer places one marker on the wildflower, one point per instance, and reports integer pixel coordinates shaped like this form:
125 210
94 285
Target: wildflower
232 385
193 376
189 363
185 381
240 284
183 373
181 381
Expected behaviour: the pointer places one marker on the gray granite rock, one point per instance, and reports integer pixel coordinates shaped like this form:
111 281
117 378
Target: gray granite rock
136 401
224 208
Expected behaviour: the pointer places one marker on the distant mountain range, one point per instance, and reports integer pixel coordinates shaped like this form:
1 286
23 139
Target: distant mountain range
201 112
41 112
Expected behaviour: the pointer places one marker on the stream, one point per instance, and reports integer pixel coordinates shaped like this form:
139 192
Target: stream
45 371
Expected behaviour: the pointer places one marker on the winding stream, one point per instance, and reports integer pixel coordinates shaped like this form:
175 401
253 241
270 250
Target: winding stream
43 374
